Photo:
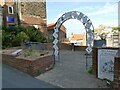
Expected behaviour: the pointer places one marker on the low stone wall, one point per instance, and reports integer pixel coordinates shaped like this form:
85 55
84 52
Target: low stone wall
32 67
80 48
64 46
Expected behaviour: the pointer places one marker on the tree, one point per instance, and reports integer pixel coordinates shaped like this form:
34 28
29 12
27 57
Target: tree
116 28
100 28
103 36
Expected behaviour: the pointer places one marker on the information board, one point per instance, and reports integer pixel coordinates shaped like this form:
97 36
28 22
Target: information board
10 19
106 63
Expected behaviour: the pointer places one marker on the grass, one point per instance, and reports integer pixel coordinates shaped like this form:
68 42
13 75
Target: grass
90 70
30 53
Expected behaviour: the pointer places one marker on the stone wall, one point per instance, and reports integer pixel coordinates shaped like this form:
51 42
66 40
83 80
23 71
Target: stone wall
64 46
32 67
34 8
37 12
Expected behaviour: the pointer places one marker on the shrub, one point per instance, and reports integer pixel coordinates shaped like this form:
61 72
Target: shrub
40 37
19 39
90 70
6 39
35 35
22 37
15 36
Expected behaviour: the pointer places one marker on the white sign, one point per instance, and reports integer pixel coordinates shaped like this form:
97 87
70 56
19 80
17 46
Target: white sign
17 51
106 63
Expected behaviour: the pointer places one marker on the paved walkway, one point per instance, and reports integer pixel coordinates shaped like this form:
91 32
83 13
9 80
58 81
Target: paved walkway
70 72
12 78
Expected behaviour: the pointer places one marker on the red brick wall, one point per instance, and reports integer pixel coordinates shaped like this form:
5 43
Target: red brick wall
117 73
94 60
64 46
32 67
80 48
41 65
5 13
62 35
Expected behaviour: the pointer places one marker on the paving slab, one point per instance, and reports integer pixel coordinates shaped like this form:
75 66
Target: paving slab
70 72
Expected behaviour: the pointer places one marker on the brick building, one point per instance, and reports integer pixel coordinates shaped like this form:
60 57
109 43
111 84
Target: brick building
62 32
33 8
33 14
9 11
78 39
25 14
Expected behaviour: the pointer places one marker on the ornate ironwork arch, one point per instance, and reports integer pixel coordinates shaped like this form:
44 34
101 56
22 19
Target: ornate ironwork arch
85 21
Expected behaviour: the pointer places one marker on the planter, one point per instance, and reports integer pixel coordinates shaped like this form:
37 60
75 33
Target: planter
33 67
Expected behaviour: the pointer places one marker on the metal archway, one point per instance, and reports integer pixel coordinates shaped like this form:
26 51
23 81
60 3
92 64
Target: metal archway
73 15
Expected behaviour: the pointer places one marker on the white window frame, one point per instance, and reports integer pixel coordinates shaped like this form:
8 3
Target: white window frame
9 10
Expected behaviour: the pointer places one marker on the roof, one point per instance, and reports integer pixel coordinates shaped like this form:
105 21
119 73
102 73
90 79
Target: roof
31 20
52 25
2 2
77 37
7 2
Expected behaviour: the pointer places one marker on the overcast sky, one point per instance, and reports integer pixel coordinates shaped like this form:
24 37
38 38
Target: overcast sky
103 12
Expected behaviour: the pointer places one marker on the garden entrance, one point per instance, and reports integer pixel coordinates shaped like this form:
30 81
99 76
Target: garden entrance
85 21
70 72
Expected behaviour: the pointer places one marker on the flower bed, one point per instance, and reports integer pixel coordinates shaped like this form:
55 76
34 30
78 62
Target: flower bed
33 66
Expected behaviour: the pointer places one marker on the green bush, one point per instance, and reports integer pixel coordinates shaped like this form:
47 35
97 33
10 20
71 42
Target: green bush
90 70
15 36
31 32
6 39
40 37
19 39
22 37
35 35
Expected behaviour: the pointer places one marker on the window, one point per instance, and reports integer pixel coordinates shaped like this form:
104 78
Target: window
10 19
10 9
